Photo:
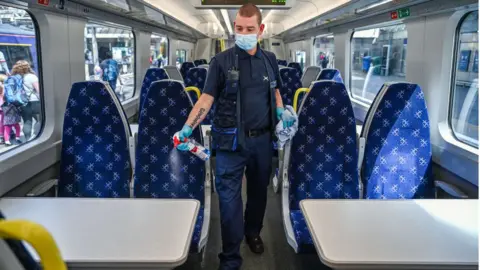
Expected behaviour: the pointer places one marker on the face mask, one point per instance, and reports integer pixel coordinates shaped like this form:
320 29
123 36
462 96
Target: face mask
246 42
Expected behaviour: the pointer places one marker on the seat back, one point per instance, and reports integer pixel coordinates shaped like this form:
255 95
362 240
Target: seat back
162 171
397 163
291 80
184 68
322 156
310 75
282 62
199 62
173 73
204 66
296 66
95 146
330 74
196 77
152 75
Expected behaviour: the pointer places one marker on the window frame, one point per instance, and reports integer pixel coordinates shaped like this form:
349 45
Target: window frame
36 28
453 76
357 99
132 30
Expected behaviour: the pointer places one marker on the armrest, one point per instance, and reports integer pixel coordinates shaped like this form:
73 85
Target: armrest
208 163
449 189
42 189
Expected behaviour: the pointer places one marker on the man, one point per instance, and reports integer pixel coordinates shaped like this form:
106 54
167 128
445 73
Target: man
243 81
109 70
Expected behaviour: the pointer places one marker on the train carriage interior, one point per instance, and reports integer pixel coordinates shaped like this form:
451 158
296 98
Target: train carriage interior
382 172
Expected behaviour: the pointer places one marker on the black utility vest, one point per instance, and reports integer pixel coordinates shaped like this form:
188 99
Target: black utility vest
228 128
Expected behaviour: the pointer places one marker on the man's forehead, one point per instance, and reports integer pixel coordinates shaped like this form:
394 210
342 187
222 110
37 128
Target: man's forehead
246 21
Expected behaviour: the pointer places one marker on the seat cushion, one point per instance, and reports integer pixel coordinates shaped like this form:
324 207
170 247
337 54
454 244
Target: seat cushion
302 235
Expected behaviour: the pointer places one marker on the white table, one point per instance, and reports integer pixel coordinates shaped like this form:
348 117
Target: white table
112 233
396 234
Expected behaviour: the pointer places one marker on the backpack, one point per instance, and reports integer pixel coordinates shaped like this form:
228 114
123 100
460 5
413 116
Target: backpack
111 71
14 92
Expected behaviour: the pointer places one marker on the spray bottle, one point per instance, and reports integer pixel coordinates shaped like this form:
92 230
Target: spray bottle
194 147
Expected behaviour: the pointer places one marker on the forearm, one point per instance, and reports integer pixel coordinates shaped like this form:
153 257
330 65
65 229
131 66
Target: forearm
278 98
200 110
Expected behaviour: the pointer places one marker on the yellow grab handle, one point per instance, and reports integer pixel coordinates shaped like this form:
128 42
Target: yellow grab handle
194 89
38 237
297 93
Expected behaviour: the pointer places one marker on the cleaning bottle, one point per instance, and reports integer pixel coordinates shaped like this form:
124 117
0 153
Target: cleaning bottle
194 147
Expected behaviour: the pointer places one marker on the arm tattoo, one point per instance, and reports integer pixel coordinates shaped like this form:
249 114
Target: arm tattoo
200 113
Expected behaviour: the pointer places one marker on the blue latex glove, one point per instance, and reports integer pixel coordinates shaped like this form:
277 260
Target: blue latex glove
184 134
287 118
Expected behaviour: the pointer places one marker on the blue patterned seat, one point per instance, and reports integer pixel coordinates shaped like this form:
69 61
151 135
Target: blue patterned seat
162 171
200 62
152 75
184 68
196 77
330 74
397 159
296 66
95 150
282 62
321 160
291 80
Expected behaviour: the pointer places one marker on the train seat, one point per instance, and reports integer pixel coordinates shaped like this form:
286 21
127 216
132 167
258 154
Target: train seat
204 66
296 66
162 171
173 73
195 80
291 80
152 75
310 75
282 62
321 160
395 151
184 68
199 62
330 74
96 145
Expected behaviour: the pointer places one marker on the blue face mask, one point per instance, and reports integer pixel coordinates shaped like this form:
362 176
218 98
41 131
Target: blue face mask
246 42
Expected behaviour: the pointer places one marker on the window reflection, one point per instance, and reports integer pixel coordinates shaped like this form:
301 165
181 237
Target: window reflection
378 56
158 51
324 51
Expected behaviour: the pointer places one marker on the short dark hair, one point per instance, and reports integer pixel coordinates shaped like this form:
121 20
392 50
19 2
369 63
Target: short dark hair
250 10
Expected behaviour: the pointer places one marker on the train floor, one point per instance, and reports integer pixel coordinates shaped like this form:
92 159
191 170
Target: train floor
278 254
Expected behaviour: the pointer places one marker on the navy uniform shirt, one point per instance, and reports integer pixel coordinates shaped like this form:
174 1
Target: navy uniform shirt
254 86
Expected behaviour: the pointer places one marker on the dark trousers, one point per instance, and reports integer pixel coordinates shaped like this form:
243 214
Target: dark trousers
29 112
113 84
230 166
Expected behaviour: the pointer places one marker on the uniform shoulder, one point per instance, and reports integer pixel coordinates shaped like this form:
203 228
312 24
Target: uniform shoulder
270 54
223 55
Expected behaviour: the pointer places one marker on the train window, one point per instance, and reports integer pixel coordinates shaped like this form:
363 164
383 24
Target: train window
158 51
464 103
110 57
324 51
300 57
378 56
19 122
181 57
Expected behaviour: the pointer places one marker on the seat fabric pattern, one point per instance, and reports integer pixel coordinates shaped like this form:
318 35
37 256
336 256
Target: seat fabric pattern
152 75
197 231
323 154
330 74
291 80
296 66
302 234
282 62
398 155
185 67
95 155
162 171
196 77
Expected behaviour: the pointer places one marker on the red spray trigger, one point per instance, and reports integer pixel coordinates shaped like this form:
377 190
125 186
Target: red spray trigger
176 140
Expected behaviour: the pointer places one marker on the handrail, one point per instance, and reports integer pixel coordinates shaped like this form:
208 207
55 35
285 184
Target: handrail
194 89
297 93
38 237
